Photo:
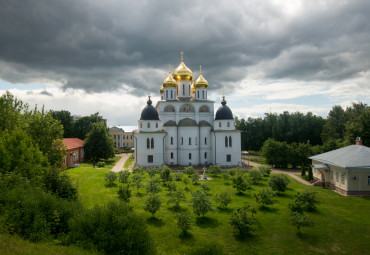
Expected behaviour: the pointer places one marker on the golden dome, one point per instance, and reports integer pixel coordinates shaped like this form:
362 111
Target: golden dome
169 82
182 72
192 89
161 90
201 82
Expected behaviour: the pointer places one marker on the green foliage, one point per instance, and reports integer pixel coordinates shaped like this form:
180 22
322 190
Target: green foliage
226 177
276 153
152 204
66 120
205 187
11 110
137 180
186 182
201 203
215 169
279 183
195 178
189 170
304 201
84 125
255 176
138 170
98 143
101 164
152 171
60 184
171 186
300 220
124 177
303 170
178 176
310 174
112 229
124 193
239 183
153 186
110 178
233 171
243 221
265 197
265 170
183 221
176 197
208 249
166 175
223 199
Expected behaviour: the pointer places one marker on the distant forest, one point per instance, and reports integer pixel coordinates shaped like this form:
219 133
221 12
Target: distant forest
340 128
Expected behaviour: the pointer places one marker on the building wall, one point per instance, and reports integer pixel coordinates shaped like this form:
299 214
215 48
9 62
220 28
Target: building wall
74 156
221 151
142 152
121 138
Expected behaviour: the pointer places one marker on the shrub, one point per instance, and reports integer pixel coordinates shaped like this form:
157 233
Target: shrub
152 204
176 197
265 197
183 221
215 169
310 174
233 171
189 170
124 193
305 201
60 184
279 183
109 178
205 187
186 182
201 203
124 177
101 164
153 186
178 176
138 169
137 179
239 183
226 177
112 229
152 171
255 176
243 221
265 170
166 175
195 178
223 199
300 220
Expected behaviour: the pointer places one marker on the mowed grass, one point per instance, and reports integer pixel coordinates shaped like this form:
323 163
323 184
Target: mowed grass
342 224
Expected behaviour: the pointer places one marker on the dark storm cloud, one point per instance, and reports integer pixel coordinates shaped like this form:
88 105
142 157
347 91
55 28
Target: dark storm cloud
104 45
46 93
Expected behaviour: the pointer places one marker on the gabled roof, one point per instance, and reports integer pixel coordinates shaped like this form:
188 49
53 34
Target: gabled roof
353 156
73 143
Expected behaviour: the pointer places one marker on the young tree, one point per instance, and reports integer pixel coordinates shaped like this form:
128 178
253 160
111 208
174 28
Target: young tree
239 183
109 178
178 176
124 193
166 175
98 143
279 183
124 177
183 221
243 221
176 197
205 187
300 220
84 125
265 170
310 174
171 186
186 182
215 169
189 170
201 203
223 199
255 175
137 181
304 201
153 186
195 178
226 177
152 204
265 197
152 171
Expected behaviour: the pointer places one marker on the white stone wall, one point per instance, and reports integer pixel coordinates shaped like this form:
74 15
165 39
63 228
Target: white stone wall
220 151
142 152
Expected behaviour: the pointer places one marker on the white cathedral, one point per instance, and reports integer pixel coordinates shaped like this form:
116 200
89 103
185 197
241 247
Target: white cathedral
182 130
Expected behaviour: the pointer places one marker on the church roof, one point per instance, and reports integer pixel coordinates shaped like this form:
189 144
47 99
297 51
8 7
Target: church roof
353 156
149 112
187 123
204 123
170 123
224 112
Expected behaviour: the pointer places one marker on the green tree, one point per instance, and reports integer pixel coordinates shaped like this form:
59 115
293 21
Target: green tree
176 197
279 183
60 184
152 204
137 179
124 177
153 186
300 220
110 178
304 201
98 143
205 187
255 176
223 199
66 120
166 175
11 112
243 220
124 193
183 221
195 178
84 125
265 197
201 203
239 183
334 127
359 127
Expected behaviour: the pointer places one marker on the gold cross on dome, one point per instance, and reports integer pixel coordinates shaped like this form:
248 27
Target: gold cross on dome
200 69
223 92
149 93
169 68
182 56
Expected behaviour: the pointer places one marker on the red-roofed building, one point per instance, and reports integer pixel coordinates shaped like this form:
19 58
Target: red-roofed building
75 151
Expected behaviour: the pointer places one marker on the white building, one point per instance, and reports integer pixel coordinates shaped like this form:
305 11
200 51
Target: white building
182 129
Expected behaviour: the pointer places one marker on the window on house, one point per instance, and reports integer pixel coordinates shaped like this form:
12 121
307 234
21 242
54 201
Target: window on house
205 155
368 180
331 174
183 89
205 140
171 94
141 126
228 158
342 178
219 124
197 94
171 155
171 139
230 142
189 90
150 158
189 140
166 93
152 143
228 124
147 125
182 140
189 156
147 143
337 176
226 142
156 125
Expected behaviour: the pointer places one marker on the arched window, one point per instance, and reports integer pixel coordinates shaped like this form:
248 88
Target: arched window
169 108
147 143
189 140
226 141
141 125
183 89
230 141
171 139
187 108
182 140
166 93
147 126
219 124
171 94
203 94
228 124
156 125
204 108
152 143
189 90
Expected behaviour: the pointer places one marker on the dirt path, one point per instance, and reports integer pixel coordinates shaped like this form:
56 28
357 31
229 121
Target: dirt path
119 165
292 173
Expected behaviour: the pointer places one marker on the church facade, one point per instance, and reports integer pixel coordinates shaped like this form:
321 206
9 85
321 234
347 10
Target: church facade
183 130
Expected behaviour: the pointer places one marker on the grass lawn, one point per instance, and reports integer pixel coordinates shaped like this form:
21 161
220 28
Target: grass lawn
128 162
342 224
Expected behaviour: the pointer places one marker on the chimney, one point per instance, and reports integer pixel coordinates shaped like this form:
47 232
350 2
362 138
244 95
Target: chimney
358 141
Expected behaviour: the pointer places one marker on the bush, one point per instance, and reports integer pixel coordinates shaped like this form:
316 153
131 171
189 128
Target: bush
101 164
279 182
124 177
152 204
201 203
265 170
109 178
171 186
243 221
137 179
153 186
223 199
226 177
233 171
265 197
239 183
205 187
183 221
189 170
176 197
152 171
166 175
178 176
215 169
60 184
300 220
138 169
255 175
195 178
124 193
112 229
305 201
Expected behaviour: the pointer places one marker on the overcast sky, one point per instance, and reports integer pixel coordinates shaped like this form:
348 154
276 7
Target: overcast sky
91 55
